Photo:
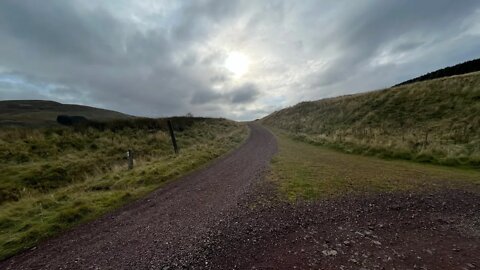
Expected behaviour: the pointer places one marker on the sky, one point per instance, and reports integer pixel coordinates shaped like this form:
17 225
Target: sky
236 59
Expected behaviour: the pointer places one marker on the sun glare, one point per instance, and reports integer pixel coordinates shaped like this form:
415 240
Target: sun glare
237 63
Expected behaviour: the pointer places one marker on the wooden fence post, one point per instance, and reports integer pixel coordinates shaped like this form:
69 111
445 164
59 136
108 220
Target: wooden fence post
130 159
172 135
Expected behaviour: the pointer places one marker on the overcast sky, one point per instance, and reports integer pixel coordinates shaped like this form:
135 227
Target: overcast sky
224 58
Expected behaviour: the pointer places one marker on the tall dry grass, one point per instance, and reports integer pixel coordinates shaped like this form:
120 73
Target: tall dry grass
54 178
435 121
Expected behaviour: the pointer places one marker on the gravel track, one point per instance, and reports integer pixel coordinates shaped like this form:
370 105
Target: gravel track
165 229
438 230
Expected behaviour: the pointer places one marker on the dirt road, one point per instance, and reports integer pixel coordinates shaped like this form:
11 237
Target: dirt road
438 230
165 229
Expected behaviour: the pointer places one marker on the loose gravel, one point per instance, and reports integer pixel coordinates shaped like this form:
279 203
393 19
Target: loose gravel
438 230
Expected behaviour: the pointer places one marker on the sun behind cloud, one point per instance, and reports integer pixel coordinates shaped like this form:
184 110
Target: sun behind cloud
237 63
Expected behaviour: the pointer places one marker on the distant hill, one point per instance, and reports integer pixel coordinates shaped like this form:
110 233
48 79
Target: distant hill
434 121
463 68
44 113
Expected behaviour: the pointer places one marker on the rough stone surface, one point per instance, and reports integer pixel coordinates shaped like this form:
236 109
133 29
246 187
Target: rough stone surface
432 231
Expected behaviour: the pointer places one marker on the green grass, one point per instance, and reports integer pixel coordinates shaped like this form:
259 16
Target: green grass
307 172
435 121
53 179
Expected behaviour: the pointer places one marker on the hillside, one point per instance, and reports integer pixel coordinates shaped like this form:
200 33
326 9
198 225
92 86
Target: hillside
43 112
462 68
435 121
54 178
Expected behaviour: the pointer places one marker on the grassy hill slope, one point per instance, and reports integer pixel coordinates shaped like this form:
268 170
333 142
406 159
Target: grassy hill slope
43 112
53 178
435 121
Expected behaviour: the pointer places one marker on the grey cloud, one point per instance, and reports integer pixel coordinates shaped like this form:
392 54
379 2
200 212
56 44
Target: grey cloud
59 29
83 49
245 94
196 17
190 60
240 95
407 46
218 78
368 29
169 61
205 96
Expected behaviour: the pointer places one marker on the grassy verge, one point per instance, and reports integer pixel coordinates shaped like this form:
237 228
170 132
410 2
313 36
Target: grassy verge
306 172
435 121
48 188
